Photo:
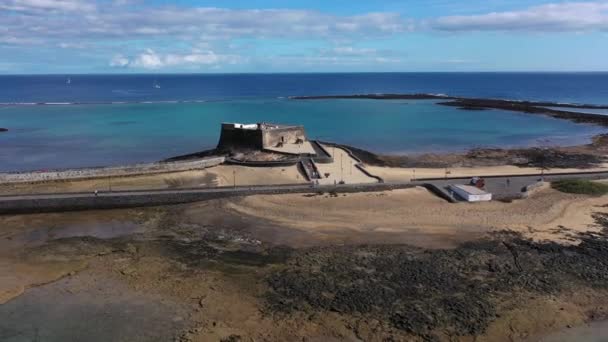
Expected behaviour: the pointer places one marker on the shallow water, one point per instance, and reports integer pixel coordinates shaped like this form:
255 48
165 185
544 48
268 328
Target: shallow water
26 231
48 137
87 308
593 332
102 230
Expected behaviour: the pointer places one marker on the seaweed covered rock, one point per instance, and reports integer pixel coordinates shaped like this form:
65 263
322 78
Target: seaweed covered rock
423 292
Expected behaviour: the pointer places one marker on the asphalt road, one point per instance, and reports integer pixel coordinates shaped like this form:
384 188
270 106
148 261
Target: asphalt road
499 186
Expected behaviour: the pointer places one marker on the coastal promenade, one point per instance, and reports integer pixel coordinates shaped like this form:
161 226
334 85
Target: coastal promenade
503 187
36 203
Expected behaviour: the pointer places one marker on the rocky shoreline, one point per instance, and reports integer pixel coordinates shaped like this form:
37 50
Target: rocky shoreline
431 294
532 107
580 156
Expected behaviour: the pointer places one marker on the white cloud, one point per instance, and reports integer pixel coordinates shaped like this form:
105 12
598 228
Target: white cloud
147 60
68 45
150 59
119 61
99 22
570 16
352 51
11 40
46 5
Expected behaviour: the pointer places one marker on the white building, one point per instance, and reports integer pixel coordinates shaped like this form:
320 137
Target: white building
471 193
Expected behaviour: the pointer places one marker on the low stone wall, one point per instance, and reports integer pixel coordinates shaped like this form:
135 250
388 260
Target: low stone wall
323 156
117 171
359 165
260 163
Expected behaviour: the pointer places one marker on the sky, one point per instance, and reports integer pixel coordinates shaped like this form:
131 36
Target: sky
228 36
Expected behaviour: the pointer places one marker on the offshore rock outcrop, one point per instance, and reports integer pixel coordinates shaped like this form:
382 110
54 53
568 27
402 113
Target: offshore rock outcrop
3 129
532 107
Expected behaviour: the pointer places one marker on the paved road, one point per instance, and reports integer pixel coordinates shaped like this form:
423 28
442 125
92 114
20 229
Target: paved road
83 201
239 190
509 187
123 199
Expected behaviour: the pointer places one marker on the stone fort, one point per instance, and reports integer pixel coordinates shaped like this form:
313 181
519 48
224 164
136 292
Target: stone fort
260 136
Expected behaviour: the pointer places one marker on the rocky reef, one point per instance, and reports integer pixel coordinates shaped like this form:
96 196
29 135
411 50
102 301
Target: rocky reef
532 107
427 293
3 129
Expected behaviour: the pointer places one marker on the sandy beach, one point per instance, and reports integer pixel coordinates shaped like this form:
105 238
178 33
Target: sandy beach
416 210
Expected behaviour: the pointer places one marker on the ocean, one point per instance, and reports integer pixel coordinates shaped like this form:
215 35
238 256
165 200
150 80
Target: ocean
63 121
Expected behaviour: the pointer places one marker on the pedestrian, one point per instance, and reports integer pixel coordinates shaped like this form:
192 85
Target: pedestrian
508 182
96 193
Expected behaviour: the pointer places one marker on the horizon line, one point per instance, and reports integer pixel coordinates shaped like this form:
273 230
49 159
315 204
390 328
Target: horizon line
307 72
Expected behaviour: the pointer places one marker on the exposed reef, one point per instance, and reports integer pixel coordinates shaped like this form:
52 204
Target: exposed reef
420 96
3 129
428 293
533 108
464 103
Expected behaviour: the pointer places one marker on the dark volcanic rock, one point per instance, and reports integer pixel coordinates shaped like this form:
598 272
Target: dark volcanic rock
3 129
421 96
532 107
422 292
551 158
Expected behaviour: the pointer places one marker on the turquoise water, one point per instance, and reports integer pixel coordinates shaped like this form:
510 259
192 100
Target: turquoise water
47 137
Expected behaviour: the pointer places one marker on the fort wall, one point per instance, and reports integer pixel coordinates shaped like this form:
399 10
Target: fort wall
247 137
273 137
232 137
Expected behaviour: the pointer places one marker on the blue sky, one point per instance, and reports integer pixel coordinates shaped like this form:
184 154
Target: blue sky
156 36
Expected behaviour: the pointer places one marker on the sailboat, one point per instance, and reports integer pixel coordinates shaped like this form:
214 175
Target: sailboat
69 81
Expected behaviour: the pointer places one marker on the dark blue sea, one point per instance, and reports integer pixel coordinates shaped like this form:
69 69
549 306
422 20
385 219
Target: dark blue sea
63 121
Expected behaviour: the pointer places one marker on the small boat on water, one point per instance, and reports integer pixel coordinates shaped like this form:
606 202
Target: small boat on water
68 81
156 85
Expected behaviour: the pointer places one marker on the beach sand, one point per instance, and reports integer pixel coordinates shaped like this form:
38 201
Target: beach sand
417 212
